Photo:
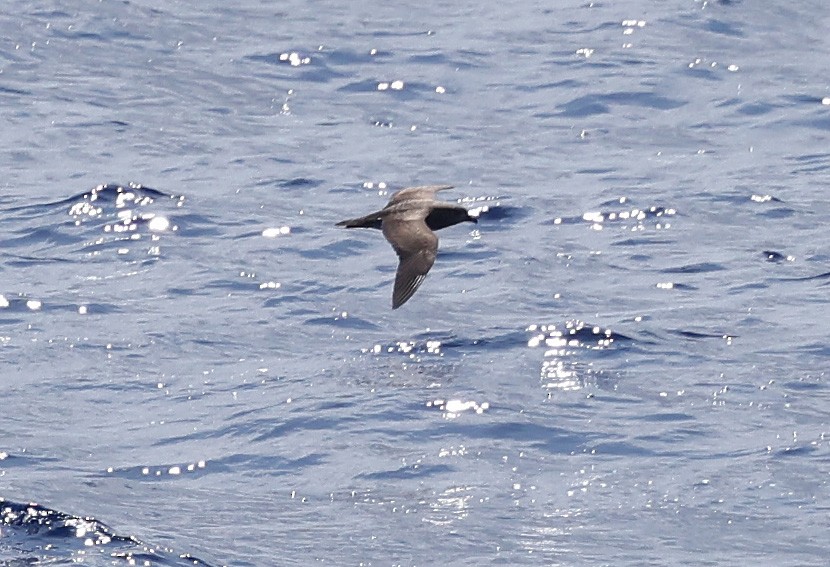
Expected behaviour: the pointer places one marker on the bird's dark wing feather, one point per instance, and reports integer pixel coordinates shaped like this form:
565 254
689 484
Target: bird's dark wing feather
416 246
442 215
372 220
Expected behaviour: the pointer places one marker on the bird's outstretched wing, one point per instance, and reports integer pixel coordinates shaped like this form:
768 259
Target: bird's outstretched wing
416 246
421 193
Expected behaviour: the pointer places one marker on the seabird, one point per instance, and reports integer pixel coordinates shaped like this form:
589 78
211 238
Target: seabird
408 221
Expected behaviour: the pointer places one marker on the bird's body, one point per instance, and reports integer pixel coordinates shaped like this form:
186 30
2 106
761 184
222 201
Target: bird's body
408 221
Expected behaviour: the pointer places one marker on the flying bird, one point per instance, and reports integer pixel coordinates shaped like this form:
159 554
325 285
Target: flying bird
408 221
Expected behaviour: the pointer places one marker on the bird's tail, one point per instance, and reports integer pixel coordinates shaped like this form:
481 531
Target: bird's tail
369 221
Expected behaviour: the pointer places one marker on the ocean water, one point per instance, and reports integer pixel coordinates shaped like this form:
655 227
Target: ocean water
623 363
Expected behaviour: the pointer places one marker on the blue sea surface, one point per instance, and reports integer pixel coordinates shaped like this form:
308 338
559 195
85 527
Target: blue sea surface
625 362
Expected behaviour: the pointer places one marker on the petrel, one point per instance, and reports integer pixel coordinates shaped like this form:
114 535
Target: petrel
408 221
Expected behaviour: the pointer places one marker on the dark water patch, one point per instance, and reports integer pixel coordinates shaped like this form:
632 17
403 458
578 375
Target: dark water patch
343 321
44 237
800 99
202 225
644 241
756 109
476 58
23 460
355 189
745 286
290 298
678 286
437 58
455 60
698 335
499 341
407 472
810 158
403 32
294 183
822 123
641 258
728 103
644 99
21 303
35 535
810 163
703 71
330 421
776 257
499 213
220 110
112 34
469 253
582 107
350 57
111 125
365 86
821 276
14 92
623 448
724 28
349 246
443 343
778 213
195 291
22 261
567 84
390 86
817 348
592 105
789 452
671 438
668 417
600 171
697 268
804 385
268 465
554 440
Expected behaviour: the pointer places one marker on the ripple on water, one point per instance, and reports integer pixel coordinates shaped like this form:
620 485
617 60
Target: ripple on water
564 367
634 219
158 472
131 219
